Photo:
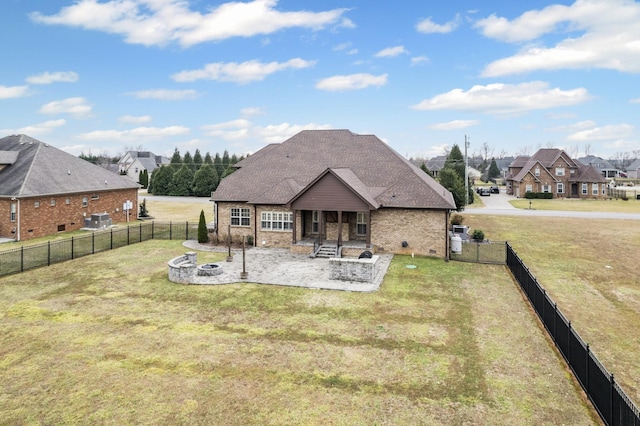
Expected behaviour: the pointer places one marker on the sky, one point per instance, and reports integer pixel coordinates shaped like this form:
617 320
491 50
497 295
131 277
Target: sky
106 76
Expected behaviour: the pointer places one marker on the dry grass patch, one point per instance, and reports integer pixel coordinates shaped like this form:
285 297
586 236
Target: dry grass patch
590 269
580 205
108 339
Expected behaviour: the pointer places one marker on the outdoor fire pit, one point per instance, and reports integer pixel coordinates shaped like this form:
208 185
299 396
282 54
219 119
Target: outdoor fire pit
209 270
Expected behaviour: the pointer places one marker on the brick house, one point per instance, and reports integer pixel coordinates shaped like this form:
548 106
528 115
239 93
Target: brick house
552 170
44 190
334 187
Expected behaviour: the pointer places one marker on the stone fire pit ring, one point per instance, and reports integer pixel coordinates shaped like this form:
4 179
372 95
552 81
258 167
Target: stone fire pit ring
209 270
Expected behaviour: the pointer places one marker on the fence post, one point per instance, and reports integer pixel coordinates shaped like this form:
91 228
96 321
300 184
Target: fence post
72 248
111 242
49 253
187 230
140 232
587 370
93 243
614 420
21 258
170 231
569 342
128 228
477 251
153 223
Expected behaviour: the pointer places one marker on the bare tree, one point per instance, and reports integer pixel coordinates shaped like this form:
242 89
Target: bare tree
587 149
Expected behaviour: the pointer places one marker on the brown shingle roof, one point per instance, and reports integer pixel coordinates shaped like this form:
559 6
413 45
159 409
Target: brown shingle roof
273 174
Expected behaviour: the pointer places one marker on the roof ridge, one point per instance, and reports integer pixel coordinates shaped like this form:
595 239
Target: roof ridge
30 169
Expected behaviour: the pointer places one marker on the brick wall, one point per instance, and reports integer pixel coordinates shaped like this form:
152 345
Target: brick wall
64 212
224 220
425 231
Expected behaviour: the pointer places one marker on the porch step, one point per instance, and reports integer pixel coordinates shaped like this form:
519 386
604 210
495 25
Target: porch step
326 251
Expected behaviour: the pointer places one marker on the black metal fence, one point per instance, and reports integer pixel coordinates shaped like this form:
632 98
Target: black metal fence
28 257
613 405
493 252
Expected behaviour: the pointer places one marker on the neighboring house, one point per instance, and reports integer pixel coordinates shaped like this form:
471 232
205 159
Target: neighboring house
604 167
44 190
133 162
319 185
436 164
552 170
633 171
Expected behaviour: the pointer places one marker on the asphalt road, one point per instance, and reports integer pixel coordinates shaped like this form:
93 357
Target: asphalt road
498 204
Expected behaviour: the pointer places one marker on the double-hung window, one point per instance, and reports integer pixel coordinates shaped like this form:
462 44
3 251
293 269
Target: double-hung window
585 189
276 221
361 224
546 188
14 211
240 217
315 221
528 188
594 189
560 188
559 171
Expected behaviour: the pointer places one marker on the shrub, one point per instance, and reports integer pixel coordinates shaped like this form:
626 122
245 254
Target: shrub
457 219
203 232
478 235
250 240
143 208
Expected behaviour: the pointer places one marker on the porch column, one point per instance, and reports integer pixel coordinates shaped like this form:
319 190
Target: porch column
339 228
321 225
294 228
369 229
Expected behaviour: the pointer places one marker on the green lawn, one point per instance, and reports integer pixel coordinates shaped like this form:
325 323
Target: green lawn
107 339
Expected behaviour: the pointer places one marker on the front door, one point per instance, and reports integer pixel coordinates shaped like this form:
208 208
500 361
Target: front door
574 189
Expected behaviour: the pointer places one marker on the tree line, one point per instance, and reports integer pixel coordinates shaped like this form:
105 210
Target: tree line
188 175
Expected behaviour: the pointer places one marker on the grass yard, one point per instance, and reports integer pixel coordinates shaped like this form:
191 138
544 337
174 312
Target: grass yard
590 268
107 339
578 205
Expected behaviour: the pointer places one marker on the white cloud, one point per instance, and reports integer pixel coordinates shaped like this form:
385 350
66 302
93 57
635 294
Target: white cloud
340 83
416 60
135 119
76 107
251 111
244 72
580 125
53 77
158 22
165 94
7 92
503 99
390 52
635 101
427 26
454 125
617 131
138 134
609 38
244 130
36 130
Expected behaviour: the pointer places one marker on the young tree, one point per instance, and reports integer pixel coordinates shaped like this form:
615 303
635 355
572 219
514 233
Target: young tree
455 161
450 179
161 180
188 160
143 208
207 159
424 168
205 181
181 182
176 160
494 171
203 233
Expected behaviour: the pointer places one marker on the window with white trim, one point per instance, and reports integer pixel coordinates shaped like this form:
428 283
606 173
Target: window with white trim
276 221
559 171
560 189
594 189
85 201
53 201
315 222
240 217
604 189
528 188
36 204
14 211
361 223
546 188
537 171
585 189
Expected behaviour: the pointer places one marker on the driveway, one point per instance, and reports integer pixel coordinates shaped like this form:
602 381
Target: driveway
498 204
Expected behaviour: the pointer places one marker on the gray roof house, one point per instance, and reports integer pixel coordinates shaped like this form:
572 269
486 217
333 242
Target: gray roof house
604 167
44 190
334 185
633 170
133 162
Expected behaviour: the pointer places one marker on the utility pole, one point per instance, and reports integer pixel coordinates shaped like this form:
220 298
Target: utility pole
466 172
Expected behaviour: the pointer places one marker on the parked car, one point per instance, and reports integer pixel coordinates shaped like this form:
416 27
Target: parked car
484 192
494 189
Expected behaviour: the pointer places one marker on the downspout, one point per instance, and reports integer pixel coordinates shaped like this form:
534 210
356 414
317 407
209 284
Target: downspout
446 236
18 228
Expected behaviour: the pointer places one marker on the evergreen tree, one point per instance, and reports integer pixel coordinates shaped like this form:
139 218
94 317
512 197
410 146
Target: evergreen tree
181 182
143 208
217 162
450 179
145 179
205 181
203 234
197 159
424 168
140 177
161 180
207 159
455 161
494 171
226 160
188 160
176 160
233 160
